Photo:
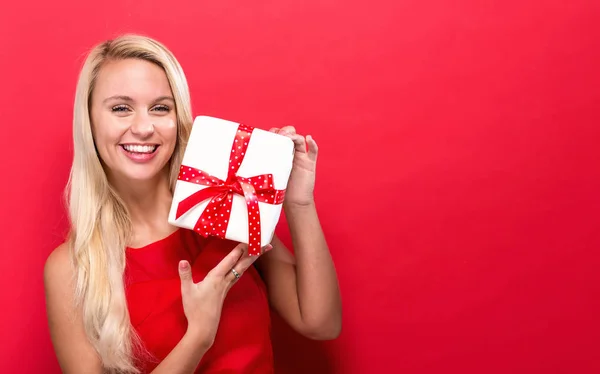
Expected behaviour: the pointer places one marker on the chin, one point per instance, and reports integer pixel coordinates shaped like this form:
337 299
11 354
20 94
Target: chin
142 175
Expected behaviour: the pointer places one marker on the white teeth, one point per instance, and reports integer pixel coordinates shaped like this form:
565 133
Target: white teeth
139 148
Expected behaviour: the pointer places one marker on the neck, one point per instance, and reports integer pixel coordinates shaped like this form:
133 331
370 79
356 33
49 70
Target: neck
148 202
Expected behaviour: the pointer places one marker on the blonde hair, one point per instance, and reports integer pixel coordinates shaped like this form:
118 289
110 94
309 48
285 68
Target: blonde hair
100 223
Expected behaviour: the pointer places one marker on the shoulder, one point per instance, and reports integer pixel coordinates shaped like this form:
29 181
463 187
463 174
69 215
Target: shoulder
58 266
58 273
73 350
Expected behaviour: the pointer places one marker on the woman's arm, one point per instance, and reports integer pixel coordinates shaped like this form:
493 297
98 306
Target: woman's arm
303 288
185 357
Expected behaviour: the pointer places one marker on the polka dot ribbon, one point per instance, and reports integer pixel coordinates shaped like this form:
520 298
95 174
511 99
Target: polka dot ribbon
215 218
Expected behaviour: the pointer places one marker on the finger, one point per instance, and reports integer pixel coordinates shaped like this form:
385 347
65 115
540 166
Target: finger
237 271
185 274
287 130
243 264
229 261
266 248
313 148
274 129
299 142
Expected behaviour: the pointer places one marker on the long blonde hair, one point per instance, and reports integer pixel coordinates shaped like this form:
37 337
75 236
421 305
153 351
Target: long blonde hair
100 224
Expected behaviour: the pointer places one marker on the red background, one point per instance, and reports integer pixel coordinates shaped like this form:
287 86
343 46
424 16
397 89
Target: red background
458 176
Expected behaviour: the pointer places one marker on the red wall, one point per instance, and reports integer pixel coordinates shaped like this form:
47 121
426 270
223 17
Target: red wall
458 177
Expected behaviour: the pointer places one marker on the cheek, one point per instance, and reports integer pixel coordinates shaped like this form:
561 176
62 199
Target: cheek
99 135
170 131
106 142
105 132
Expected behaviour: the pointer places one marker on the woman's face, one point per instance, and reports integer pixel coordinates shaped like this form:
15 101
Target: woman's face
133 119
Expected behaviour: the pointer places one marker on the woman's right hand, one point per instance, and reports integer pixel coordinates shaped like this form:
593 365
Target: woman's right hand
203 301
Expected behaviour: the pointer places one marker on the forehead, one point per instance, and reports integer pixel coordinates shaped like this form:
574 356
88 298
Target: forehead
136 78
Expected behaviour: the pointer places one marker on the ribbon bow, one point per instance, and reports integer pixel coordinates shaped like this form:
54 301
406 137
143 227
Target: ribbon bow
214 219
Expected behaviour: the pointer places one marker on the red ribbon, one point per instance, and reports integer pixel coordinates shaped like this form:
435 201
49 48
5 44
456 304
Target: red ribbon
215 217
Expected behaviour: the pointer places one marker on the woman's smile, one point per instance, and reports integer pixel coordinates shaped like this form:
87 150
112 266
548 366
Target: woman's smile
139 152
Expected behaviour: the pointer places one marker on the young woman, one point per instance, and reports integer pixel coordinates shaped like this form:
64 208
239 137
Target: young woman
127 292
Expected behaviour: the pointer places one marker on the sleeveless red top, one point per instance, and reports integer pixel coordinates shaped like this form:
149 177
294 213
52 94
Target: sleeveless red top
153 288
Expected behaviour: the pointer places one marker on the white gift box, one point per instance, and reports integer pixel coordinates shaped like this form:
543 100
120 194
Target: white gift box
209 149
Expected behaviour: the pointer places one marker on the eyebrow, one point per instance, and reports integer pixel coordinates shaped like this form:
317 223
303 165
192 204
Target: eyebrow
129 99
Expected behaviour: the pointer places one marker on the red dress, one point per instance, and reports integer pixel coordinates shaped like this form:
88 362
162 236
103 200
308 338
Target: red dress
153 287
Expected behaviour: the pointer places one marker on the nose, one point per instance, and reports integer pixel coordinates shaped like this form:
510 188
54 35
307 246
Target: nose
142 126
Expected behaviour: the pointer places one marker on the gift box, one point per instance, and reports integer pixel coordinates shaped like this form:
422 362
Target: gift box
232 182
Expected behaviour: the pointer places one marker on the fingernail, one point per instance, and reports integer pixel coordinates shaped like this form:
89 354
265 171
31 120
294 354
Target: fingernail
183 265
268 247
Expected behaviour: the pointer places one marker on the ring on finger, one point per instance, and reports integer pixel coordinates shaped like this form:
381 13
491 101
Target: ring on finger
235 273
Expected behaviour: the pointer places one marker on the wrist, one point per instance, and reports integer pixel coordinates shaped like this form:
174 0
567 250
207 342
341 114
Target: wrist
198 338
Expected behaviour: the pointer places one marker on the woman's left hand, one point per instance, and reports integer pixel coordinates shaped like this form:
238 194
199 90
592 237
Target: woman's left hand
301 184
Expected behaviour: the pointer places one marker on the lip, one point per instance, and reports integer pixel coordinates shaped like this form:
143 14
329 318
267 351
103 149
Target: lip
149 144
139 157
